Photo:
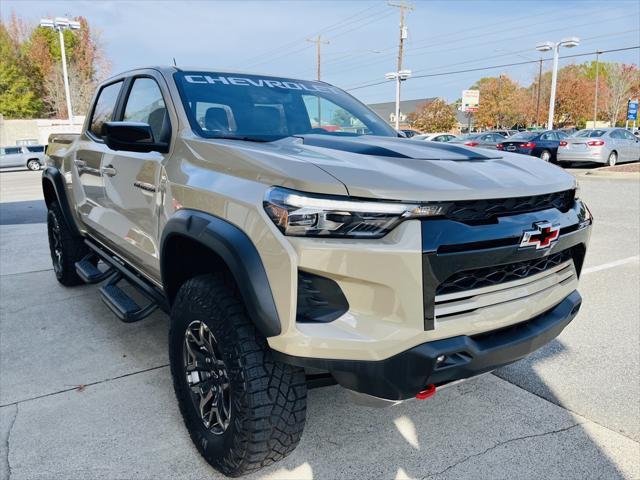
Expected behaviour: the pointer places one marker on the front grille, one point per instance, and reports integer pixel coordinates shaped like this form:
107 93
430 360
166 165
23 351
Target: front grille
484 277
472 211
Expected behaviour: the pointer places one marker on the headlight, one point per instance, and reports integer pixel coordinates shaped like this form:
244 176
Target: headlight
301 214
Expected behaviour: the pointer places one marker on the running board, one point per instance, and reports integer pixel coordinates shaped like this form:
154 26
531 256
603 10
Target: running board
89 272
120 303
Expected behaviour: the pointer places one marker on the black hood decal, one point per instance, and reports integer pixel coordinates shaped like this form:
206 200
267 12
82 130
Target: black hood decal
394 147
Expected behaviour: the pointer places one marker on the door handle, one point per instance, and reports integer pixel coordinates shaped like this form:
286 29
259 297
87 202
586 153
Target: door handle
109 170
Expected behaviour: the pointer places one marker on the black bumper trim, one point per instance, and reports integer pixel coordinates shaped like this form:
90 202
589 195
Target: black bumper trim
402 376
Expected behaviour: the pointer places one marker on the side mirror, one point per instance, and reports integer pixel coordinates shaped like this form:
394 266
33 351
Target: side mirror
132 137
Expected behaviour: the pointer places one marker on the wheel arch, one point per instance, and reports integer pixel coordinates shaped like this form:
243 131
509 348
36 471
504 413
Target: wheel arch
195 243
53 189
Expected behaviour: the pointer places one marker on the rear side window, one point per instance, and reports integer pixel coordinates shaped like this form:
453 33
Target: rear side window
105 106
12 150
39 149
145 104
616 134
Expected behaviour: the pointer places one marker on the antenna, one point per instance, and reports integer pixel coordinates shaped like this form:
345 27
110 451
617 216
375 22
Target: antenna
174 62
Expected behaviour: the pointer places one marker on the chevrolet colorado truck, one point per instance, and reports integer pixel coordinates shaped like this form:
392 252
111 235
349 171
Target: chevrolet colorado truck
295 239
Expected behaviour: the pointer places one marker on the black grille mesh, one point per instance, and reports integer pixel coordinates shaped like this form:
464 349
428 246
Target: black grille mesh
481 210
487 276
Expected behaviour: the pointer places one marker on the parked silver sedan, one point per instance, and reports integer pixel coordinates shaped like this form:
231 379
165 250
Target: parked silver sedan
601 145
480 140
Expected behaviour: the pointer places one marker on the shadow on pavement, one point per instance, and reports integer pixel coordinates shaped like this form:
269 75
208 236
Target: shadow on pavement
20 213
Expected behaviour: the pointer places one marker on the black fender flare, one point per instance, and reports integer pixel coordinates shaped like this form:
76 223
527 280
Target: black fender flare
53 177
241 257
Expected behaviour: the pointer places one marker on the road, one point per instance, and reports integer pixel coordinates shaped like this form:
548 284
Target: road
83 395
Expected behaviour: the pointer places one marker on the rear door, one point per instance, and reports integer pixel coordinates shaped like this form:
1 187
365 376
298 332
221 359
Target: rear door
89 154
132 179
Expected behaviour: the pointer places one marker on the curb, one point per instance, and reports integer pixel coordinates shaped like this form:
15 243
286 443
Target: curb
605 174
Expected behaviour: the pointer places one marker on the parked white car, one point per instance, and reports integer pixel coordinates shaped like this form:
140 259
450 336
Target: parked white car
30 156
601 145
435 137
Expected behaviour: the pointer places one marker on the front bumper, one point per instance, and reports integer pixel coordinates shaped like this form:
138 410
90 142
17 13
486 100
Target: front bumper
404 375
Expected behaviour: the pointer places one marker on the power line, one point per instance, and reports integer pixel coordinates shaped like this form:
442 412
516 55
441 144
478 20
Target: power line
499 66
264 57
354 66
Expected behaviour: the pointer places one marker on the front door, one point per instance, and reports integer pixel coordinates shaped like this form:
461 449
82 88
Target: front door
132 179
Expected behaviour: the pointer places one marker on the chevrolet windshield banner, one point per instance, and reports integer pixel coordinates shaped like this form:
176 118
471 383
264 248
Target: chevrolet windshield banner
258 82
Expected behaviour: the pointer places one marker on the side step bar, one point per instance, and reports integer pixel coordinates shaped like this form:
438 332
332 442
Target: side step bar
118 301
124 307
89 272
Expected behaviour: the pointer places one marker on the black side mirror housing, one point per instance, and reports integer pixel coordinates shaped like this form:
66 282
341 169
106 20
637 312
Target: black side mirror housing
131 137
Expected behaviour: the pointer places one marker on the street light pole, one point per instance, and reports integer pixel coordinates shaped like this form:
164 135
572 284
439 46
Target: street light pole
60 24
65 76
399 76
554 81
545 47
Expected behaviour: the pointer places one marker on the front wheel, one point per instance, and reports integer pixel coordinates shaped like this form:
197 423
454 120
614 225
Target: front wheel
243 409
33 165
613 159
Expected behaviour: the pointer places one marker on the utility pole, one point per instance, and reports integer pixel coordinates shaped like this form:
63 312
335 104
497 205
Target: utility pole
539 89
403 6
595 102
319 42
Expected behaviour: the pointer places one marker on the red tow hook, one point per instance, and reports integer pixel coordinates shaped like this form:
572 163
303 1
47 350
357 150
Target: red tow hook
429 392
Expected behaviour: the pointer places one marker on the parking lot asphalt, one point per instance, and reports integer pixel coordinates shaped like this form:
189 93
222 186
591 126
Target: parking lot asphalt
83 395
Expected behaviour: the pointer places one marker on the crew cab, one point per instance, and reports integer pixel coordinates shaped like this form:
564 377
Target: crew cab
289 255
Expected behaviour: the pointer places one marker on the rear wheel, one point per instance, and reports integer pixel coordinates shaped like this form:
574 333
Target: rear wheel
66 248
33 165
243 409
613 159
546 155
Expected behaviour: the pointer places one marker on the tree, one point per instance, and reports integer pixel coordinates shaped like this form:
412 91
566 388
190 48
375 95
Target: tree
503 103
31 69
433 116
623 82
18 97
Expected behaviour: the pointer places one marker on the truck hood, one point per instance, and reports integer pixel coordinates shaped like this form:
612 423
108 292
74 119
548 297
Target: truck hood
415 170
386 167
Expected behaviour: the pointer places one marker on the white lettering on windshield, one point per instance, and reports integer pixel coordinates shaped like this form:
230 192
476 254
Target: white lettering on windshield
247 82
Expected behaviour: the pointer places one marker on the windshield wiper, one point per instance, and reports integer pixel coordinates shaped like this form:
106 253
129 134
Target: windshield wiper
245 138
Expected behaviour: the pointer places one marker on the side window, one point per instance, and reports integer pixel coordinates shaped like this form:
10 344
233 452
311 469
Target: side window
105 106
561 135
547 136
145 104
616 134
12 150
629 136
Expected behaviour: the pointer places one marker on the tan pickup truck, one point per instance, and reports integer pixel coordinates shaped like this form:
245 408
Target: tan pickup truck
296 240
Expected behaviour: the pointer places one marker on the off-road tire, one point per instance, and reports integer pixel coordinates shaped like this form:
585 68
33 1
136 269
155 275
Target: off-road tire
268 398
71 248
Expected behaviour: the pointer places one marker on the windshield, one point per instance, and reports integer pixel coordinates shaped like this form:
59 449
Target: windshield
590 133
258 108
524 136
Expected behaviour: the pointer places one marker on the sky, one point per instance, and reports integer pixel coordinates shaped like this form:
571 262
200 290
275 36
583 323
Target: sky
271 37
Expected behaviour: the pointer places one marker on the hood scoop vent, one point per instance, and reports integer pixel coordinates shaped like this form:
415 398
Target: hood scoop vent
394 147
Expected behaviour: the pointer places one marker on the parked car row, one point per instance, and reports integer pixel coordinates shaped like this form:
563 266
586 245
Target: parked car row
603 145
30 156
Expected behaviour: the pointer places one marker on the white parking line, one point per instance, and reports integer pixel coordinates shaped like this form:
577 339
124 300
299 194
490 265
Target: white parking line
608 265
